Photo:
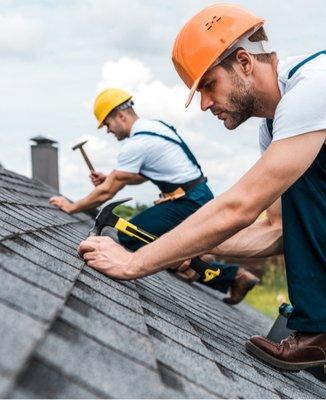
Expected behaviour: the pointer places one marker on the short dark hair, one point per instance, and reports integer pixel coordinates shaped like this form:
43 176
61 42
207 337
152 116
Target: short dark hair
258 36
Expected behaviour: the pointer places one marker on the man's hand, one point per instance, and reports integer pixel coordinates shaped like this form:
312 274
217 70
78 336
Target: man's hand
108 257
97 177
62 203
111 259
187 275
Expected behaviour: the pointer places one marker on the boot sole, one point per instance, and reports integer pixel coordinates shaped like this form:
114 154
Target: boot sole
283 365
251 285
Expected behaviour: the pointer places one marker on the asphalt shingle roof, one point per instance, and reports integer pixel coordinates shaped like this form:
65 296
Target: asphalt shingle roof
68 331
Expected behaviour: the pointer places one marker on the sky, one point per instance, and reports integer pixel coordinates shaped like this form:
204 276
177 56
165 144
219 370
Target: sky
57 55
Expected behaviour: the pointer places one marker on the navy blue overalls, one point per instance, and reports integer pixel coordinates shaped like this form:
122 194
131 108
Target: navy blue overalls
304 240
163 217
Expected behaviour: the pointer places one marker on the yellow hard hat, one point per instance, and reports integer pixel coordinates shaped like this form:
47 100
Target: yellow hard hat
107 101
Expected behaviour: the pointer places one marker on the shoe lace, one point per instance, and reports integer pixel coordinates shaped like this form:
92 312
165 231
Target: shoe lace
292 339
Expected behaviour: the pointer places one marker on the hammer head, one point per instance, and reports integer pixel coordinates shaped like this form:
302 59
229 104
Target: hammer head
106 216
79 145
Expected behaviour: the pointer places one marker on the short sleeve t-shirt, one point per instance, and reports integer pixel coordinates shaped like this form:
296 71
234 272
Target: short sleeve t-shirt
302 108
155 157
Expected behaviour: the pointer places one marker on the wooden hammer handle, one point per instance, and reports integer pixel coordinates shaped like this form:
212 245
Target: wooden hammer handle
89 164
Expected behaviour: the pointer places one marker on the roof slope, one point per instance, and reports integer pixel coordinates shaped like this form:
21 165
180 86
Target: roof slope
69 332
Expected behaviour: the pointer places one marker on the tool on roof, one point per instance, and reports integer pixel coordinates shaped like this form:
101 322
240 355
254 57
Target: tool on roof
106 217
279 331
80 147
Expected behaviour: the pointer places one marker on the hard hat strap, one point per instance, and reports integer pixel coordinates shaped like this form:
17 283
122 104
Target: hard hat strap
260 47
125 105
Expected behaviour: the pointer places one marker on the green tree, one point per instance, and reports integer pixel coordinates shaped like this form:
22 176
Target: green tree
128 212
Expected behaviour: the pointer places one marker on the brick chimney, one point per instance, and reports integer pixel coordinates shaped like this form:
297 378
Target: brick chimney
45 161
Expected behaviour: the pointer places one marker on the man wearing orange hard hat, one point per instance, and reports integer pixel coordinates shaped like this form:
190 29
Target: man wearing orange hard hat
222 53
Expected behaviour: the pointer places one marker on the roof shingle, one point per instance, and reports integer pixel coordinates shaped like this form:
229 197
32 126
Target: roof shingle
68 331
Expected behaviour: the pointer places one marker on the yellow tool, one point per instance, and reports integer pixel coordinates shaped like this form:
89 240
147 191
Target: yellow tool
106 217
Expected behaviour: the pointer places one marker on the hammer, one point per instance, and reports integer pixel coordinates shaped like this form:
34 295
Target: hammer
106 217
80 147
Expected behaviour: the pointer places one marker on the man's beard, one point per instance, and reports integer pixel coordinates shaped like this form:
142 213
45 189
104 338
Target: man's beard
121 136
243 100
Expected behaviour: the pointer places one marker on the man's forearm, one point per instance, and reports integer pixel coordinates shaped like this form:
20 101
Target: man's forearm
103 192
93 200
215 222
113 183
260 240
211 225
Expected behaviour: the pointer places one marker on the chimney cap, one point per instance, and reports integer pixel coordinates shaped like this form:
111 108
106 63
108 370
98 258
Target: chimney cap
43 140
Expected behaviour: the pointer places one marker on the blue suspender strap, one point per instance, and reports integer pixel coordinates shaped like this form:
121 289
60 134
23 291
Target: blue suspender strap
158 135
269 121
182 144
167 187
169 126
294 69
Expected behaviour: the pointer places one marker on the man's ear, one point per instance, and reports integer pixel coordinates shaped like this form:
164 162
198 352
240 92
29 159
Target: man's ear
245 61
121 116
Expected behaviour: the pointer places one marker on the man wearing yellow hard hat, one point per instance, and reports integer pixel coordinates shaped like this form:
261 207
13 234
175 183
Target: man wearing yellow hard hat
153 150
221 52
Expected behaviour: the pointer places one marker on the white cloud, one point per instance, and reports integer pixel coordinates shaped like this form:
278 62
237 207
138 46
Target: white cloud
136 37
133 26
19 36
153 98
102 154
223 172
127 73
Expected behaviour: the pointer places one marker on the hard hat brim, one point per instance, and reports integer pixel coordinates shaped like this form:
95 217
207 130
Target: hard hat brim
250 46
107 101
197 81
192 91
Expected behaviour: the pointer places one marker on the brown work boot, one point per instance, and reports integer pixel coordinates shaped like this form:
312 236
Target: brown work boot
242 283
298 351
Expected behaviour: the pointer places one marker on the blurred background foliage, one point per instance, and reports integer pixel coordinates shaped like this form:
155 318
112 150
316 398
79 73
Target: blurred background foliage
128 212
273 291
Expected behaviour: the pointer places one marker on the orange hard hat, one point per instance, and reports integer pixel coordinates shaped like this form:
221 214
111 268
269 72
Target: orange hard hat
206 36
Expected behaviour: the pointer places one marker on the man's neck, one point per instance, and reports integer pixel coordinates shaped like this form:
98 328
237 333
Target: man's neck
133 119
267 89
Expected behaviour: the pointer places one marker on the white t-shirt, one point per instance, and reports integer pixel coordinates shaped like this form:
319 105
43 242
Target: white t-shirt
155 157
302 107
